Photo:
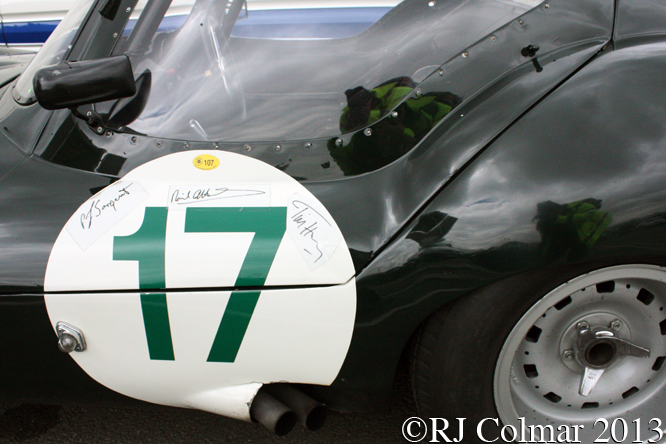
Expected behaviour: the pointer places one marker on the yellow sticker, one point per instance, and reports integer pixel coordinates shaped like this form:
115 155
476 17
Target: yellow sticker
206 162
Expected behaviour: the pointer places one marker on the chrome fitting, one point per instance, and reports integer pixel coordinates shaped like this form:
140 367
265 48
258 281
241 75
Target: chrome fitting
70 338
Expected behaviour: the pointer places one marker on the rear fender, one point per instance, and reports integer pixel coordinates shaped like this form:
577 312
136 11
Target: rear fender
577 181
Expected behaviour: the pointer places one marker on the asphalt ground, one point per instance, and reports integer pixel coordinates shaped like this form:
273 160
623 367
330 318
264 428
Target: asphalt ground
41 424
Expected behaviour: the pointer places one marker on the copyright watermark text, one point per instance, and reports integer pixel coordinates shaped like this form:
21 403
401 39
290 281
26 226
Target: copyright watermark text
491 430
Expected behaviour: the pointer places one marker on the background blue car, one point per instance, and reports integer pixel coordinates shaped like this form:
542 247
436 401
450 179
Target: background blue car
30 23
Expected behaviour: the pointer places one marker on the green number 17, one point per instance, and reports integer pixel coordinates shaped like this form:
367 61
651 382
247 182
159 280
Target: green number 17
147 246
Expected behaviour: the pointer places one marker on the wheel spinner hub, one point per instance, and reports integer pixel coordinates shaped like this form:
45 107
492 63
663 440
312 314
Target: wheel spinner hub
595 343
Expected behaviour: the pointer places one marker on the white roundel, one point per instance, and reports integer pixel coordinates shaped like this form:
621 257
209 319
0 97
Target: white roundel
170 273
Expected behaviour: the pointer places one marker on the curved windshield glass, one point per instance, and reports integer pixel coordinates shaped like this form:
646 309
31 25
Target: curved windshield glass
272 70
53 51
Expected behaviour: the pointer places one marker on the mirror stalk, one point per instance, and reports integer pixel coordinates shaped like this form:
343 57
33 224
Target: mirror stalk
93 119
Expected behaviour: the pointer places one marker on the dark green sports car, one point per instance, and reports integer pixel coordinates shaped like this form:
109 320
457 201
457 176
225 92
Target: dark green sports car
262 223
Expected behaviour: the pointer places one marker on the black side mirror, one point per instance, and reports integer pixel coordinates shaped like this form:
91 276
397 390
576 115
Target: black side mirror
73 84
127 110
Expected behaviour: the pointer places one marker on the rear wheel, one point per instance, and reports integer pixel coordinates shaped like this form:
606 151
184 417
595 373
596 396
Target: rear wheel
593 347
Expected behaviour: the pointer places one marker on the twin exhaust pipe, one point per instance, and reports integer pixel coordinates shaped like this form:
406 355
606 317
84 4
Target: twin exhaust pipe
278 407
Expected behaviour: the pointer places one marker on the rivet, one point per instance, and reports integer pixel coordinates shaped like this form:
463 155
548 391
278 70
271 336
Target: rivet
128 9
431 4
89 114
547 6
462 115
418 92
133 140
186 146
115 35
394 114
493 38
441 72
159 143
278 148
100 130
521 23
465 54
308 145
216 146
338 141
247 147
568 355
368 132
616 325
109 134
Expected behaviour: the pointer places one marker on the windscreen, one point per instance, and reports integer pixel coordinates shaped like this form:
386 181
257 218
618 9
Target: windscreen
295 70
53 51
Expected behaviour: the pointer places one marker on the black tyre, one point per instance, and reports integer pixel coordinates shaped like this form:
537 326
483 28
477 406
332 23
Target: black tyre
516 355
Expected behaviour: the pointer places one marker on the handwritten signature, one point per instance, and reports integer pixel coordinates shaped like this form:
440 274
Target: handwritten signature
307 226
97 208
207 194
